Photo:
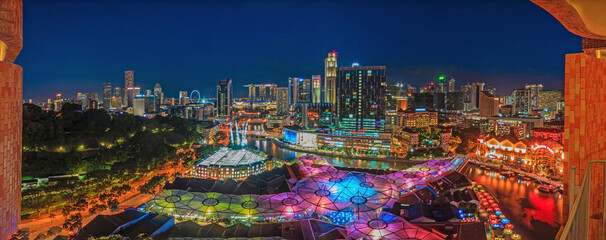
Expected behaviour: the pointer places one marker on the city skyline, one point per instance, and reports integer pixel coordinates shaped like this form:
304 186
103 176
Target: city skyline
413 55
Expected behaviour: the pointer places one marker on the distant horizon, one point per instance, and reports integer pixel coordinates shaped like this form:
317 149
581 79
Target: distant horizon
77 46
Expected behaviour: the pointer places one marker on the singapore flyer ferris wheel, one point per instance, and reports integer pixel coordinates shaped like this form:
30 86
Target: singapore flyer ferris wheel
194 97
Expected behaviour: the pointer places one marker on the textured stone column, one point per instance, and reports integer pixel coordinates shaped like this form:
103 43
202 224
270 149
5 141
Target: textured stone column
11 91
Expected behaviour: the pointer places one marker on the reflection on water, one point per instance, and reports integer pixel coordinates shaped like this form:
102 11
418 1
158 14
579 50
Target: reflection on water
535 215
272 149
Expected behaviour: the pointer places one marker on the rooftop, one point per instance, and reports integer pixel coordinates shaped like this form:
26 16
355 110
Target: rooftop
225 156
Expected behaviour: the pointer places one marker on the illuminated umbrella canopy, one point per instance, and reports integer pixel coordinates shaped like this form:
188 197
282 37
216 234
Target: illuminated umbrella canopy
290 205
212 205
440 165
172 202
313 164
405 179
384 225
251 206
349 191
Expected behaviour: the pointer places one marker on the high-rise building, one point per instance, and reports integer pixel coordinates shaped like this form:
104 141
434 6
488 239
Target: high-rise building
107 95
441 84
183 98
224 97
451 85
144 104
455 101
159 94
11 80
304 91
361 98
117 98
282 105
330 76
252 92
129 87
476 89
489 104
316 86
549 100
293 90
520 100
262 92
272 92
534 95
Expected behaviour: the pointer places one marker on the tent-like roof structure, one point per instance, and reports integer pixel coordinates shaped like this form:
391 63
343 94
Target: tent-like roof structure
384 225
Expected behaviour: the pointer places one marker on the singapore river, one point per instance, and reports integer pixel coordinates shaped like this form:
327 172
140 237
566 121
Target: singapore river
271 148
535 215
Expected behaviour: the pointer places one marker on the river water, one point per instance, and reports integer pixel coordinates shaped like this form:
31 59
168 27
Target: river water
271 148
535 215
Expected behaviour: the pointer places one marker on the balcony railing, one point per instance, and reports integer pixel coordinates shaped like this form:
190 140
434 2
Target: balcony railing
580 217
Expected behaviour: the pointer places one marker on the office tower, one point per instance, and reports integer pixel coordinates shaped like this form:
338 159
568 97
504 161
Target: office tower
304 91
272 92
224 97
182 96
441 84
451 85
293 90
489 104
129 85
148 93
262 93
94 96
361 98
143 104
549 99
330 75
520 100
316 93
455 101
391 93
117 98
534 95
476 88
159 94
252 92
410 90
282 104
11 80
58 96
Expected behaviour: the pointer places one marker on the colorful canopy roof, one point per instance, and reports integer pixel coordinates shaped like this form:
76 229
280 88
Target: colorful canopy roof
384 225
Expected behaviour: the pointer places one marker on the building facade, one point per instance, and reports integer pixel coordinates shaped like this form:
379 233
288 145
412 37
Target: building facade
129 88
224 97
227 163
282 105
107 95
330 75
11 78
316 86
361 98
489 104
417 118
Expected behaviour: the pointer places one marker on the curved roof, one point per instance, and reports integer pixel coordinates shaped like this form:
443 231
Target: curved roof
585 18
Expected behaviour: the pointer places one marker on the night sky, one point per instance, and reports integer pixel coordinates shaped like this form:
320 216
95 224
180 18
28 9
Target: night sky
75 46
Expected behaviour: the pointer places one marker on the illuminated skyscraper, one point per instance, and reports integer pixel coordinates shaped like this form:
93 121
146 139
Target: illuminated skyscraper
159 94
107 95
183 98
330 76
117 98
293 90
489 104
252 92
451 85
441 84
11 80
316 86
224 97
361 98
129 87
262 92
304 91
282 105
